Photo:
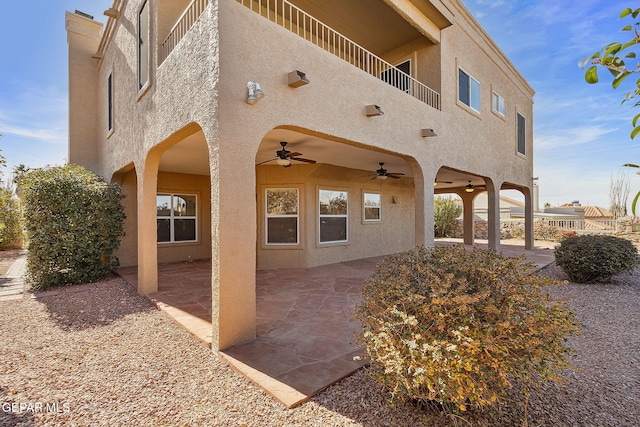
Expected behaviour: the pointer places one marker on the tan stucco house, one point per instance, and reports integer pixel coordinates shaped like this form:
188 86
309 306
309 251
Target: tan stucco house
381 103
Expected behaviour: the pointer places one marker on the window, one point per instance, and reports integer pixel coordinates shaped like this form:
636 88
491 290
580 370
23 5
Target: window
110 102
282 216
372 207
497 103
333 216
522 132
143 45
469 90
177 217
398 76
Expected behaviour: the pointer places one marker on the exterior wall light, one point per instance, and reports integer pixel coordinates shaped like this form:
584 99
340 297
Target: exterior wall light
255 92
297 79
469 188
373 110
426 133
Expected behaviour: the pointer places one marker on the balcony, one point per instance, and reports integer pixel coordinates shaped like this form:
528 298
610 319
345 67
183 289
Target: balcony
297 21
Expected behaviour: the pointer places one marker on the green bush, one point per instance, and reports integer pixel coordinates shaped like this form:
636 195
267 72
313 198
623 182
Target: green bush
74 221
10 225
461 327
595 258
445 215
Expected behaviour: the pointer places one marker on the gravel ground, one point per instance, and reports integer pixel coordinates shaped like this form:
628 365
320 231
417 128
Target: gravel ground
107 357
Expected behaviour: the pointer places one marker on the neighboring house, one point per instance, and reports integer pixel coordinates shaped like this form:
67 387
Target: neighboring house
163 100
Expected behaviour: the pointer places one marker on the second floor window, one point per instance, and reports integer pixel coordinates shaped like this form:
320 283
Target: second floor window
522 132
110 102
143 45
468 90
497 103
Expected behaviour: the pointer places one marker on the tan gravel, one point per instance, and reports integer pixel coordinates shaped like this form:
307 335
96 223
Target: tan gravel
107 357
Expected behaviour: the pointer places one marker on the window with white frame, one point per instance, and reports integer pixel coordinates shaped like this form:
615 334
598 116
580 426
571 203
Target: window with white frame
522 134
372 204
333 208
497 103
468 90
143 45
177 217
281 205
110 102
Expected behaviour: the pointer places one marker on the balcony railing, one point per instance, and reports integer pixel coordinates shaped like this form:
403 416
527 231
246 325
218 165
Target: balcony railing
184 24
288 16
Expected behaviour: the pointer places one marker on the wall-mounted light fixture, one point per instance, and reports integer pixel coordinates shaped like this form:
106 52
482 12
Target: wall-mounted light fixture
469 188
255 92
373 110
426 133
297 79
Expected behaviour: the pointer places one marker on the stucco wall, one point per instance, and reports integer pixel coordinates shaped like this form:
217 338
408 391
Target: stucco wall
394 233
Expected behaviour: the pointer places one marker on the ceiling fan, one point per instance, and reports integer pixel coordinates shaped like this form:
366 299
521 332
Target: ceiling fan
284 157
382 173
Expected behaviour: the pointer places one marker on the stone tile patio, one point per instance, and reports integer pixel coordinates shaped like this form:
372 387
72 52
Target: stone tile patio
305 326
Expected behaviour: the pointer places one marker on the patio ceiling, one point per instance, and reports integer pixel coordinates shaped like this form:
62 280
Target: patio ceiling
190 156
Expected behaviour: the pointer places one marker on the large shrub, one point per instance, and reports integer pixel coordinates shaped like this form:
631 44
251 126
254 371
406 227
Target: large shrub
445 215
10 225
595 258
461 327
74 221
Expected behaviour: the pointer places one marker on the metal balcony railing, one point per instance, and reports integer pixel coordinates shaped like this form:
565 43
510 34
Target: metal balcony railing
184 24
288 16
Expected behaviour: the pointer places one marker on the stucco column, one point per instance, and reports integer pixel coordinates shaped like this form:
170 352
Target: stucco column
528 219
468 217
147 228
424 228
493 221
233 248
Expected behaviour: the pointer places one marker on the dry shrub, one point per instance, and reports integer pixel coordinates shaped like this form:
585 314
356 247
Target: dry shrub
460 327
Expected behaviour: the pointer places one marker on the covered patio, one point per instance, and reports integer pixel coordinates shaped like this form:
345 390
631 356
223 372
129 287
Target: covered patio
305 325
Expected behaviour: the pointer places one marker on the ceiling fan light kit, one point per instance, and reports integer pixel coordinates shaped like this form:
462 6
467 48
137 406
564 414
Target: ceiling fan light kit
469 188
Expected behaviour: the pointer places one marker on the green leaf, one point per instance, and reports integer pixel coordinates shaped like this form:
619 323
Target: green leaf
625 12
591 75
634 203
619 78
630 55
635 132
635 120
627 28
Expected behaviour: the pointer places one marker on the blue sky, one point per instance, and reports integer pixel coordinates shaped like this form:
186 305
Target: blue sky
581 133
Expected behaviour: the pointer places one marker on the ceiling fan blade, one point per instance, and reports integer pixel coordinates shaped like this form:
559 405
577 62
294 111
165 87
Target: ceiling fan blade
294 154
300 159
266 161
390 175
397 174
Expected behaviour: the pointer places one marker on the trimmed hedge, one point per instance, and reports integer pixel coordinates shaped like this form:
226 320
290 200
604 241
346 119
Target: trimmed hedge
10 224
74 221
595 258
461 327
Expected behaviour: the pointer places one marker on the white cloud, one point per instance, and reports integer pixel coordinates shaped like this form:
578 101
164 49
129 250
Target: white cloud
571 136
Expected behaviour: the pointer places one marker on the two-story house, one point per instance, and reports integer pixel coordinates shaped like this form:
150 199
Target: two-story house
267 134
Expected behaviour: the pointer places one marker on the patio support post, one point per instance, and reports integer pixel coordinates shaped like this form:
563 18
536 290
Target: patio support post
493 196
147 234
528 219
468 222
424 233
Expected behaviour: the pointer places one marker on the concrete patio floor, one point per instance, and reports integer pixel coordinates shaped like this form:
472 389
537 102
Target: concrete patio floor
305 325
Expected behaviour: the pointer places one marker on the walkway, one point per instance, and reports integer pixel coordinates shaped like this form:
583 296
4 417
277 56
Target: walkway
12 284
305 328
